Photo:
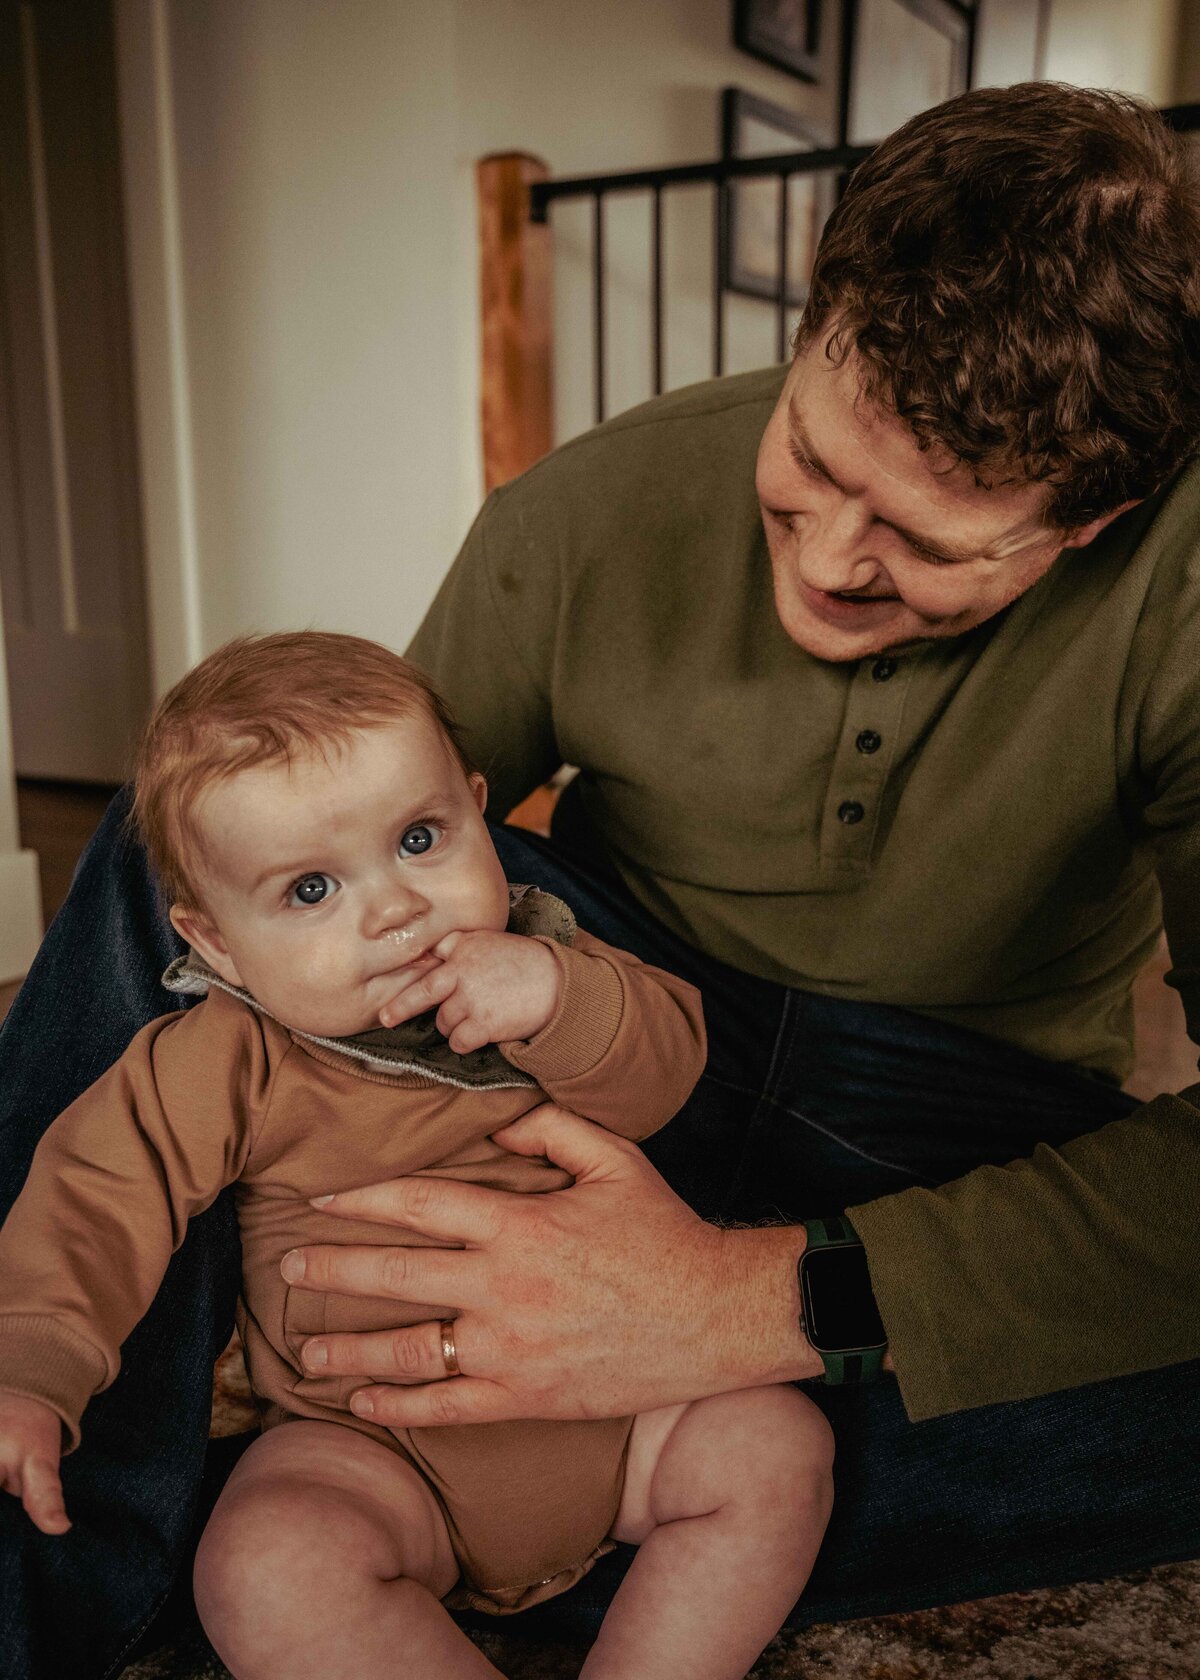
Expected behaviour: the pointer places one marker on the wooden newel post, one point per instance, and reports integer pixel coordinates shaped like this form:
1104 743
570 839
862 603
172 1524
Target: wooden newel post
516 300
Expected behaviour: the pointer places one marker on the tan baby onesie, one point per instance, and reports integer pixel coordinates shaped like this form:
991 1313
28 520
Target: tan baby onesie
222 1094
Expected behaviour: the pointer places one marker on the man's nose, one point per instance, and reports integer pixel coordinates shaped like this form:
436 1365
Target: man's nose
835 550
393 906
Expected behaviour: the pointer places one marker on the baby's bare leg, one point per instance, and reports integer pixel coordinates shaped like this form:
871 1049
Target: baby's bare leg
327 1555
727 1499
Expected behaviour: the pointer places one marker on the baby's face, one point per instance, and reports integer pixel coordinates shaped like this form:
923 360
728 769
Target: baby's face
323 879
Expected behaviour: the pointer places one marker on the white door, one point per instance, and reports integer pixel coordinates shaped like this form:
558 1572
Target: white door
70 541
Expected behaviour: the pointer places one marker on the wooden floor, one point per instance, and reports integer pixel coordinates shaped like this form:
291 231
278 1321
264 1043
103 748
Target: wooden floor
57 819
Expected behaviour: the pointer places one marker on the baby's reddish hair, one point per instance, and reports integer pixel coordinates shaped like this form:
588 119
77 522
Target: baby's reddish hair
263 700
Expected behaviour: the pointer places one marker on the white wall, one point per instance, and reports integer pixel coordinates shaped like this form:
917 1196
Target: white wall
1127 44
311 205
302 230
300 199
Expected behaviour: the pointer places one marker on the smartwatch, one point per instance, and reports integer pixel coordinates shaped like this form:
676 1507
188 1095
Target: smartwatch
838 1311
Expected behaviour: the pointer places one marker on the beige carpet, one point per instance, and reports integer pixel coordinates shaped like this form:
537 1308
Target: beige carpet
1144 1627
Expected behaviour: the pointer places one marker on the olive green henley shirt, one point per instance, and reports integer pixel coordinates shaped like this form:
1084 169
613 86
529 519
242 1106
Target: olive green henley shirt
1024 814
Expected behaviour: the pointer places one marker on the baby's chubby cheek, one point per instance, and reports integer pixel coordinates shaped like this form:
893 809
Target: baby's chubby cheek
315 991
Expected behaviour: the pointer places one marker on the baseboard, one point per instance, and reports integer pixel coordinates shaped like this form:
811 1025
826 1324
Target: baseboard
21 923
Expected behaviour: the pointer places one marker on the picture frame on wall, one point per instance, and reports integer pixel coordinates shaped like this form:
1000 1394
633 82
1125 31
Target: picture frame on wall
754 127
1185 120
790 34
901 57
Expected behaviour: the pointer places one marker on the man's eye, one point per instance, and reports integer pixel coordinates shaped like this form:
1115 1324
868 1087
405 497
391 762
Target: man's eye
421 838
807 467
313 889
929 557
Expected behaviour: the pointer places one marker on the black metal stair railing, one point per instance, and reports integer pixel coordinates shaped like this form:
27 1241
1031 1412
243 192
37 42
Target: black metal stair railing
835 160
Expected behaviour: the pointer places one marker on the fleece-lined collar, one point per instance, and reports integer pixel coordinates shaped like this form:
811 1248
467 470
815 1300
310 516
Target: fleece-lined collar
414 1046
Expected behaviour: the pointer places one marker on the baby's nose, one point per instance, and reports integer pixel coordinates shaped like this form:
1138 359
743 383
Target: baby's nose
394 914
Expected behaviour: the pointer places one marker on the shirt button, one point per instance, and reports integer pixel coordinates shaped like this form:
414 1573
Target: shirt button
869 741
850 811
883 669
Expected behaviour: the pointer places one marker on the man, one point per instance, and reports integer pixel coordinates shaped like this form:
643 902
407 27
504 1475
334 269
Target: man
882 679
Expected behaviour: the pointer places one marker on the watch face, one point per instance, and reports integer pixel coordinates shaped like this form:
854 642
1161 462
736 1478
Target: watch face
840 1314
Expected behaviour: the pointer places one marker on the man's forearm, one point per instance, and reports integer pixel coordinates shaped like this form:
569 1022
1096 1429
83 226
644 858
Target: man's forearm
759 1292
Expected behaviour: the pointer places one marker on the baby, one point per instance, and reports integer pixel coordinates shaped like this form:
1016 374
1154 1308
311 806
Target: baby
316 824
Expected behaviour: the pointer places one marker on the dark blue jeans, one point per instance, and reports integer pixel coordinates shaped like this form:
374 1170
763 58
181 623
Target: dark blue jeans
807 1105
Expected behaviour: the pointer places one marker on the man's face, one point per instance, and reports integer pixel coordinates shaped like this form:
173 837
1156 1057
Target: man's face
875 545
325 878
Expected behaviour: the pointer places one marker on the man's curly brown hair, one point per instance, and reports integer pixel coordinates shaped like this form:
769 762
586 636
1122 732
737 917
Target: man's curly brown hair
1018 270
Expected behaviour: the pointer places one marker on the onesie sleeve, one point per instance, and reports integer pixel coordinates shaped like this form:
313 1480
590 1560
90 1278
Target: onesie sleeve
111 1188
626 1045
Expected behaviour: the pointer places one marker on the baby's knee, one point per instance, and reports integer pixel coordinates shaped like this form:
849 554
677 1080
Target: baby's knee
247 1553
277 1551
764 1452
781 1458
798 1440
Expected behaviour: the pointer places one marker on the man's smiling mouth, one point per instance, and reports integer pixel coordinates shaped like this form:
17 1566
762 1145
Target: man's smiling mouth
850 595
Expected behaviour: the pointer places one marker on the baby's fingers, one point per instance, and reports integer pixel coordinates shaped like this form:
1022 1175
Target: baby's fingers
42 1495
414 997
469 1035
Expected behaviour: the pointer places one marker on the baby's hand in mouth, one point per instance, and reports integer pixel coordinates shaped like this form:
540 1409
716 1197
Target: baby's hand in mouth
398 981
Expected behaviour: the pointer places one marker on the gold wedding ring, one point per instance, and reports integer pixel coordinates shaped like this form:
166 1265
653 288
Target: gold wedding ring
449 1356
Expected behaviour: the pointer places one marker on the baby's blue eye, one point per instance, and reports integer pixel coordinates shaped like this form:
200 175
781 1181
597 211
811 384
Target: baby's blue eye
416 840
313 889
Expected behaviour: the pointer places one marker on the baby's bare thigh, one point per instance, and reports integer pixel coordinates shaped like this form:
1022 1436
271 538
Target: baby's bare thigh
750 1445
315 1501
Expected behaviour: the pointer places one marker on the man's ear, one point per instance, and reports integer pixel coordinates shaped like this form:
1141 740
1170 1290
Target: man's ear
478 789
1087 533
203 935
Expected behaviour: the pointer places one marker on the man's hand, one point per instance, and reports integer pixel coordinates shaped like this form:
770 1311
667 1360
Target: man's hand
606 1298
30 1449
491 987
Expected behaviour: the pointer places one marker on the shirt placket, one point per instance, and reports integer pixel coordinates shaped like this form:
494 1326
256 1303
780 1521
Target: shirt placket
865 753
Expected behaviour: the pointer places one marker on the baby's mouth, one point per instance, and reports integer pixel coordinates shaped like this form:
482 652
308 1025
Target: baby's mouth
410 945
421 960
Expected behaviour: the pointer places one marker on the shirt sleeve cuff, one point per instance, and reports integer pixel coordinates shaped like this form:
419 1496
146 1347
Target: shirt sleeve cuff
584 1025
992 1288
42 1359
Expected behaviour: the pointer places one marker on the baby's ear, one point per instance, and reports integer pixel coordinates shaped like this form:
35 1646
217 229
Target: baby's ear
478 789
204 936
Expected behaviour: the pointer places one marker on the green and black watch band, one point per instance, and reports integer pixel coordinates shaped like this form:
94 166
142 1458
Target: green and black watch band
838 1311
